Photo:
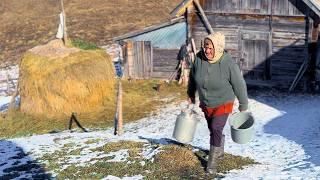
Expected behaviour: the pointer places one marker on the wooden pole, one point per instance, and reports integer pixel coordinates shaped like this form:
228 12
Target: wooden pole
194 49
12 103
204 17
65 36
118 121
8 83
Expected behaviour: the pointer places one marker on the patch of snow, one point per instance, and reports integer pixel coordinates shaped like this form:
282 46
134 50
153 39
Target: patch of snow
136 177
286 139
119 156
150 152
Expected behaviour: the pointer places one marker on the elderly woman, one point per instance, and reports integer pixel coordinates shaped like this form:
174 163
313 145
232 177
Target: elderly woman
218 80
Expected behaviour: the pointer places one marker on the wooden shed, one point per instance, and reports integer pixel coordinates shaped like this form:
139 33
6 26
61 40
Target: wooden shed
273 41
152 52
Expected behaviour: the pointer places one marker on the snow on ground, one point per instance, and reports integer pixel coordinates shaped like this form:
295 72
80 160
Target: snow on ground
286 141
8 79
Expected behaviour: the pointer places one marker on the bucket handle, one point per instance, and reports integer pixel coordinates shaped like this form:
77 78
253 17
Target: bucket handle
191 108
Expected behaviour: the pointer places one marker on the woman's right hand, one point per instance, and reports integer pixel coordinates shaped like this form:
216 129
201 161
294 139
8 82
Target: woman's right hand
191 100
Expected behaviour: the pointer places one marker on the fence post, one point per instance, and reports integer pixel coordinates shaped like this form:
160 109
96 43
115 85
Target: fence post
118 117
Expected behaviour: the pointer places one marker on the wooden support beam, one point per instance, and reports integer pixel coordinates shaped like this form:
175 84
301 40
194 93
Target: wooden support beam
203 16
194 49
299 75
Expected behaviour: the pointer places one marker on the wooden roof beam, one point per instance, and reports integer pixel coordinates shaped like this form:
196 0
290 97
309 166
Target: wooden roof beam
203 16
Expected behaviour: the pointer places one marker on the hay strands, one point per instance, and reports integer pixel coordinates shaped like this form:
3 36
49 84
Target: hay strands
74 118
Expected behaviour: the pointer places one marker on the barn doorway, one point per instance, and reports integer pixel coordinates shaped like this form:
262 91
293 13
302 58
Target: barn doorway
254 63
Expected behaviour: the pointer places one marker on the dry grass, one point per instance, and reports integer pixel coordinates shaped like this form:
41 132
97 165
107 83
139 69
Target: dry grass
25 24
54 87
172 162
139 100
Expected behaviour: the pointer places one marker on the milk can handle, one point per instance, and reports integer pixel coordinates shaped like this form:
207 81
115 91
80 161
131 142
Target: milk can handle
189 105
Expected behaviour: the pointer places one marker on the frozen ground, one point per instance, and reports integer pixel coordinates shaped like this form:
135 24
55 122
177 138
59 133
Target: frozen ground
286 141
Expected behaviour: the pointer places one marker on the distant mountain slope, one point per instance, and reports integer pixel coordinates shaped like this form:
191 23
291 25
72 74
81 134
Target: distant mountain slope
27 23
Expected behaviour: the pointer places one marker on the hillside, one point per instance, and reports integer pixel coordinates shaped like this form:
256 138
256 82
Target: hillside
28 23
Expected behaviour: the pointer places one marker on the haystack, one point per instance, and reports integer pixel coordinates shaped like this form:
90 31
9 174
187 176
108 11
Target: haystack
56 80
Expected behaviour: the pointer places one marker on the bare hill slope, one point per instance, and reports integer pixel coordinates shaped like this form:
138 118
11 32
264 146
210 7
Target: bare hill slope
28 23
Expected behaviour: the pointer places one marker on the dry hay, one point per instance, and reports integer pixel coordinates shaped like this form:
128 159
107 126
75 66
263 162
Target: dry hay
53 49
74 81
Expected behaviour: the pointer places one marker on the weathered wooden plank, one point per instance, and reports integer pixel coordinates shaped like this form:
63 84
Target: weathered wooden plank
259 83
280 7
294 28
236 22
254 35
283 78
288 35
136 60
166 63
289 20
288 59
162 75
207 6
283 71
298 49
283 62
163 69
289 52
245 4
130 58
160 60
222 4
164 53
235 4
217 3
253 4
288 42
291 8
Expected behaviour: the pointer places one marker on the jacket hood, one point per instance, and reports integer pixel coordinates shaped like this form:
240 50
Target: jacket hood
218 41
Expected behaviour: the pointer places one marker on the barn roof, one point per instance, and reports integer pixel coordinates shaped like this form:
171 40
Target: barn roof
314 5
180 9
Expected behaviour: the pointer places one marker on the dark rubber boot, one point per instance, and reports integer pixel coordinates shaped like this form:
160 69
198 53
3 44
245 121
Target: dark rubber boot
221 149
213 160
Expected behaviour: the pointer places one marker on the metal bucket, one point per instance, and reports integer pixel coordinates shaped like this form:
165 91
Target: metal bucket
185 126
241 127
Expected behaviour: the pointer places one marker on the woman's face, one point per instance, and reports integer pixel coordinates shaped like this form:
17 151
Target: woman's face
208 49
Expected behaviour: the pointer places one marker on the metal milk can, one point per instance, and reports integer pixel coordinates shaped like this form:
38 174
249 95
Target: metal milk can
185 126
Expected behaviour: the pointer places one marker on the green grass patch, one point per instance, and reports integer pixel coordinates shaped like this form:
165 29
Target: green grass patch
81 44
92 141
140 99
171 162
116 146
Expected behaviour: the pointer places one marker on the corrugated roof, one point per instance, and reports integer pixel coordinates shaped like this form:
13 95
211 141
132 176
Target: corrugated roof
168 35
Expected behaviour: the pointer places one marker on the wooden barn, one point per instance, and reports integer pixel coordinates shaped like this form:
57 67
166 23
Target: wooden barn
273 41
